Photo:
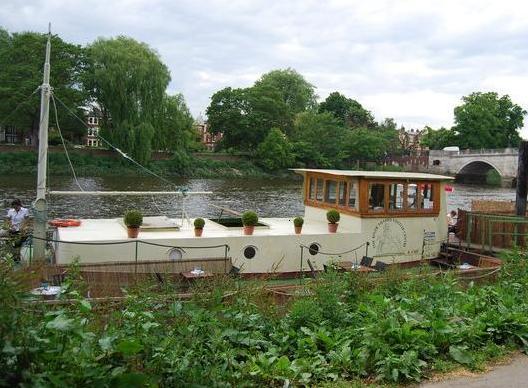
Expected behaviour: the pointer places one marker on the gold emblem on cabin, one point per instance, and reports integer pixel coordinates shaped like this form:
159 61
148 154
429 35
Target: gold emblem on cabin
389 237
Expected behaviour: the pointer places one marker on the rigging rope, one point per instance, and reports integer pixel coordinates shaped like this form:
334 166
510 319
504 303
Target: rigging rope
123 154
64 143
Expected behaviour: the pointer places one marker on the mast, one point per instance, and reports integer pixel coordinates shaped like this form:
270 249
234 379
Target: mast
40 206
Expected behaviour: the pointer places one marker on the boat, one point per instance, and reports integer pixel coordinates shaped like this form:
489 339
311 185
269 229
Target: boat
392 217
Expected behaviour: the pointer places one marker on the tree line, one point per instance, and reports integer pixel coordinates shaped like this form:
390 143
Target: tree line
278 121
123 79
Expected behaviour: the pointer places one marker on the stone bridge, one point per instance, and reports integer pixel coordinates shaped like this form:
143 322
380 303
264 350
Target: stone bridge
472 166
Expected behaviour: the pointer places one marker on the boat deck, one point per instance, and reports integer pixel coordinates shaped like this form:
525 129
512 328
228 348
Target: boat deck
114 230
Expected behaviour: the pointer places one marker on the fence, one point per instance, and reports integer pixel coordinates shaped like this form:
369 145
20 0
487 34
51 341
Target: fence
491 232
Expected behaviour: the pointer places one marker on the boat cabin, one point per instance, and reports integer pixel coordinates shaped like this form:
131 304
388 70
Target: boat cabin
373 194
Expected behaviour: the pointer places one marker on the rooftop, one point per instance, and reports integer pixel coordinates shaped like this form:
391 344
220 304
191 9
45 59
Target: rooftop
376 174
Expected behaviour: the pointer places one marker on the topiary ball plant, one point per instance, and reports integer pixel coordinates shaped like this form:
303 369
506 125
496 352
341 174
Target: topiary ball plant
133 218
249 218
199 223
332 216
298 222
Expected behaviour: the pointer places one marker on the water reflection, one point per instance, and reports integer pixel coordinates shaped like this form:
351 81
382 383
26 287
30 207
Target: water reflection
269 197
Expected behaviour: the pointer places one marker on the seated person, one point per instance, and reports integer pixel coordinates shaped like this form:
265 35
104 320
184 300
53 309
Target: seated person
452 221
16 217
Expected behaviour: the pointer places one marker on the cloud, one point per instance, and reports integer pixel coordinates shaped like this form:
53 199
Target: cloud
411 60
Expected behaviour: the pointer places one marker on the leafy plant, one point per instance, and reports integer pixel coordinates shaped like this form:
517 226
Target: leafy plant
199 223
133 218
333 216
249 218
298 222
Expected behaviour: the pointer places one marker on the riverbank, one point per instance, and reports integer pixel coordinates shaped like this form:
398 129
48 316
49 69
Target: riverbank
180 165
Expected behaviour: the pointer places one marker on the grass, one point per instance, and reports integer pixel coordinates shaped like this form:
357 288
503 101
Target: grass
347 331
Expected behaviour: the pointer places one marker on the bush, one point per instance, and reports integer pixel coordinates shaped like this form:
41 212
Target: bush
199 223
249 218
298 222
333 216
133 218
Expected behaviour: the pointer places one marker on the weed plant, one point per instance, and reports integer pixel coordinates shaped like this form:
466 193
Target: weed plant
347 328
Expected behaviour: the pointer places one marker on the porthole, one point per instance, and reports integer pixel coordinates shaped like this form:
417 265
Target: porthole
175 254
314 249
250 252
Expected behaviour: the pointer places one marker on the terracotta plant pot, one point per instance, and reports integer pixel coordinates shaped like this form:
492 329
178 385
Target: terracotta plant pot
132 232
332 228
248 229
198 232
298 229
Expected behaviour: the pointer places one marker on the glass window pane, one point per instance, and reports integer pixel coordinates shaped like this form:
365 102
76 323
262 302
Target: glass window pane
319 193
396 196
427 196
376 196
331 191
311 193
352 196
342 193
412 196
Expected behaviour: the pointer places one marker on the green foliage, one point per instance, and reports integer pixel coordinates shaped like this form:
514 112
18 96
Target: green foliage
249 218
293 89
493 178
133 218
486 120
348 111
199 223
131 99
368 145
21 61
333 216
396 330
437 139
275 152
298 222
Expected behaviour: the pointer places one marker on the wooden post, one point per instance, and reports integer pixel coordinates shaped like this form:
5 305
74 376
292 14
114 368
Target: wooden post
522 179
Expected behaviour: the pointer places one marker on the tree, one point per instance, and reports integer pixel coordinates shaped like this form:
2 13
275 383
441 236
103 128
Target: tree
486 121
21 63
275 152
318 139
128 81
175 125
437 139
348 111
245 116
366 145
294 90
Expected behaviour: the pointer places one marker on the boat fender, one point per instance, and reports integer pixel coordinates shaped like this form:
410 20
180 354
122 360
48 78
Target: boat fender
61 223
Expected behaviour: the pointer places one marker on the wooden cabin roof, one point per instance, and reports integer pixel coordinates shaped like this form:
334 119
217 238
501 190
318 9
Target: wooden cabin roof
375 174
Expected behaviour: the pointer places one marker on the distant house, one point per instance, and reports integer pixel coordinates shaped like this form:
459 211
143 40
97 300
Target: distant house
93 120
13 135
410 139
208 139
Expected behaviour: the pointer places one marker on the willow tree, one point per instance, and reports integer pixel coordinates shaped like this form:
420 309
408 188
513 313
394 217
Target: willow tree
127 79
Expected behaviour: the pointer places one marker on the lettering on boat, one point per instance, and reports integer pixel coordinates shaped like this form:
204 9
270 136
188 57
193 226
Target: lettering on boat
389 236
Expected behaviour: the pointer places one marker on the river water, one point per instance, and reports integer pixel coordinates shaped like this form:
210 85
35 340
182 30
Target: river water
269 197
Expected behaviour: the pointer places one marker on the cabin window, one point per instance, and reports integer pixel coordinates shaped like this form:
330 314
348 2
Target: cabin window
331 192
311 194
396 196
352 196
412 196
342 193
376 196
319 192
427 196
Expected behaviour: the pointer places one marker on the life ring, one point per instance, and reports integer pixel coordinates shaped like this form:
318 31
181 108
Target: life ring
64 223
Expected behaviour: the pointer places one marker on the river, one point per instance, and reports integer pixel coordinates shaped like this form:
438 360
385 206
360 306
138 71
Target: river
269 197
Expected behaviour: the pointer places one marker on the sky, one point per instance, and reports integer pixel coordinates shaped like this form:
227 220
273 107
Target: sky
409 60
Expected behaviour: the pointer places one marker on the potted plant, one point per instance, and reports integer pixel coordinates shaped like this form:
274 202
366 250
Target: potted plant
249 220
133 220
198 227
298 224
333 217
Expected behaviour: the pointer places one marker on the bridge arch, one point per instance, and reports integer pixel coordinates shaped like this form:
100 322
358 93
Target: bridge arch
476 171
